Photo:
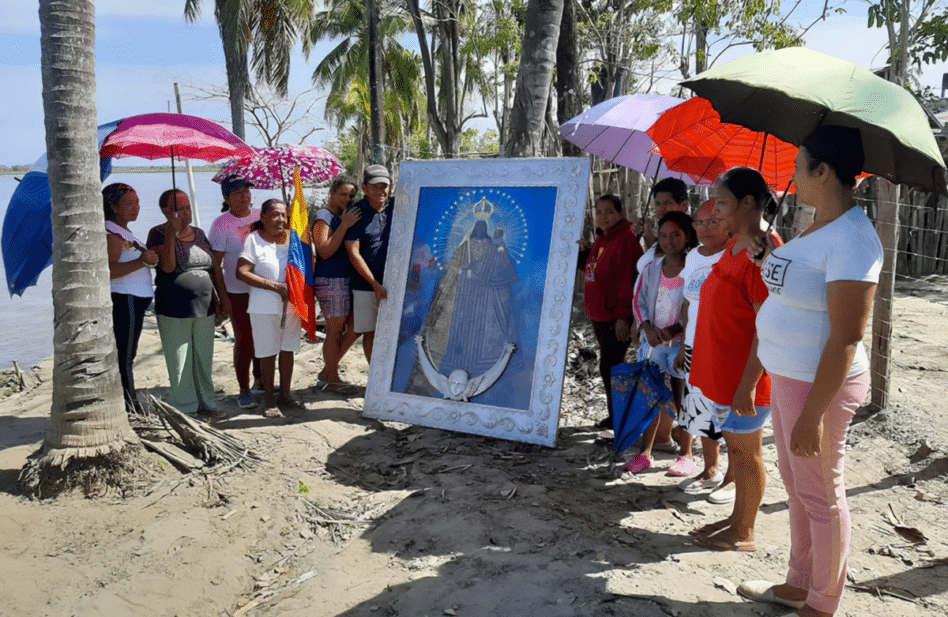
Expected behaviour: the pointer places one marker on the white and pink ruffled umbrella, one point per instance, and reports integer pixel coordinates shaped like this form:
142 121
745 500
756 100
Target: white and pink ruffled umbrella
272 168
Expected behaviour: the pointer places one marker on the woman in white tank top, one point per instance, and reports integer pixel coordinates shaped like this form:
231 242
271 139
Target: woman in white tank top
130 277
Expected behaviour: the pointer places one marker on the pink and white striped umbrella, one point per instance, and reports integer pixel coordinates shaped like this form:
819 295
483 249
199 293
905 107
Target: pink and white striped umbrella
272 168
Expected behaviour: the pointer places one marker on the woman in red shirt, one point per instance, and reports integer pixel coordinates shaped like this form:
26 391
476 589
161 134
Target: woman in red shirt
610 284
724 366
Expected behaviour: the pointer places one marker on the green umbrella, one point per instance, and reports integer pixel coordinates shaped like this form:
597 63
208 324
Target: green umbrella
789 92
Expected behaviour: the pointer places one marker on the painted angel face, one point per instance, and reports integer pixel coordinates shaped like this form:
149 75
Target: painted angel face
457 382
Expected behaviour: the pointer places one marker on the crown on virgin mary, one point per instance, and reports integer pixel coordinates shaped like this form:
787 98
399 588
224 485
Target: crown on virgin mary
483 209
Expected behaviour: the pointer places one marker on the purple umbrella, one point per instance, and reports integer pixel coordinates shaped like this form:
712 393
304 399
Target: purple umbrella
615 130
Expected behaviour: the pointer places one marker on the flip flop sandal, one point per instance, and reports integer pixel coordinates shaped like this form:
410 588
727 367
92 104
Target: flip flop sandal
720 544
709 528
272 412
638 464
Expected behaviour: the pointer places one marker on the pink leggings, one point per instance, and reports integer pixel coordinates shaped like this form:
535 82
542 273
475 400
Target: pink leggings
819 516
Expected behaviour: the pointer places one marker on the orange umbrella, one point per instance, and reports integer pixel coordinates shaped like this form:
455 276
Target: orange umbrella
692 139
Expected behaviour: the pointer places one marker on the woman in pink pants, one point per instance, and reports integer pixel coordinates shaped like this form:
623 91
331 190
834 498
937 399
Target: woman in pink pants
810 332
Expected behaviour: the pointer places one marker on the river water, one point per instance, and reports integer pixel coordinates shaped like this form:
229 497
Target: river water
27 321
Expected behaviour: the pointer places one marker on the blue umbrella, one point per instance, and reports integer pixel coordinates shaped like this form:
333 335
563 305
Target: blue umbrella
27 243
639 390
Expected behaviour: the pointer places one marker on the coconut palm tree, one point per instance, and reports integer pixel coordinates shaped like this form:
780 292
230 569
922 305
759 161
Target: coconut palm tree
271 28
88 412
403 114
347 63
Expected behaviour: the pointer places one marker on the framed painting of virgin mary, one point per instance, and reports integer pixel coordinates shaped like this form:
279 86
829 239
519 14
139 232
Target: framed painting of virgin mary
479 275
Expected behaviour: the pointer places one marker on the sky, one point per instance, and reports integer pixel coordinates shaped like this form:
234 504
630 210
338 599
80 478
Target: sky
143 48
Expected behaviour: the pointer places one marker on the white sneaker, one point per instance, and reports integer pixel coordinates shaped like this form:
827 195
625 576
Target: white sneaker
723 494
693 486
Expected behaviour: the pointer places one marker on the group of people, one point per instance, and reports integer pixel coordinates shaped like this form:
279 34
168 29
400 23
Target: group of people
744 326
238 271
747 328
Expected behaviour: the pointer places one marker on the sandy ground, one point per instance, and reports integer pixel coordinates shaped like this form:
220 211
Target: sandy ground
354 517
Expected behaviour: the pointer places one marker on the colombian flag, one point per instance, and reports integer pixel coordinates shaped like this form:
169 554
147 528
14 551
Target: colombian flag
299 265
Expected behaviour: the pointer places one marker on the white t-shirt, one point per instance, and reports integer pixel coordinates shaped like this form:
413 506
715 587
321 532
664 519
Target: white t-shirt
793 323
646 258
269 262
227 236
696 270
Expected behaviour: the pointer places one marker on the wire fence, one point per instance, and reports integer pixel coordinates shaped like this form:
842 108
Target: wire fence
912 225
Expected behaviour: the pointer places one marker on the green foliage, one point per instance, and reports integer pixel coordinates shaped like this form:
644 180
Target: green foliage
346 148
475 142
918 34
302 488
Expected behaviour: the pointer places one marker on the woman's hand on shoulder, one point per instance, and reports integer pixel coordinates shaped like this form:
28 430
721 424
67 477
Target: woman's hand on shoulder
351 216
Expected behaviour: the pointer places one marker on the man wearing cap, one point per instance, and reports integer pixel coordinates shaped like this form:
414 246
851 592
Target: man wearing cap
367 246
227 236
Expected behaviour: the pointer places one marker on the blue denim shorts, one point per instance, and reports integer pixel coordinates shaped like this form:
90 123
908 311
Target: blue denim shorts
726 421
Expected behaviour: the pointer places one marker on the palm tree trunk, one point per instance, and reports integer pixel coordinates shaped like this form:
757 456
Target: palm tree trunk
534 78
88 413
230 22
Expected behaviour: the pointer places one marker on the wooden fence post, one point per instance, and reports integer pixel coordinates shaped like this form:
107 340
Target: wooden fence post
887 196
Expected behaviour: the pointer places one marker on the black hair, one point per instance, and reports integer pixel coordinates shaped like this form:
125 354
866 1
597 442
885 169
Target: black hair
165 199
684 221
225 207
341 181
840 147
265 208
615 201
677 188
111 196
744 181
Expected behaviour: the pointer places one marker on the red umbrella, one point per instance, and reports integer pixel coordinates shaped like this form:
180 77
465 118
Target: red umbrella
692 139
272 168
158 136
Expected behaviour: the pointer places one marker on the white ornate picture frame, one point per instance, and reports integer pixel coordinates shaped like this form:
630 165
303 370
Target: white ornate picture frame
480 273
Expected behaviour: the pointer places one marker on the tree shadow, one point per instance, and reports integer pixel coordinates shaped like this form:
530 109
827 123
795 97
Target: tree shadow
8 481
936 468
922 582
510 527
19 431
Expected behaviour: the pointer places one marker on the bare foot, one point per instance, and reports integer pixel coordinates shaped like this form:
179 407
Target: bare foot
331 378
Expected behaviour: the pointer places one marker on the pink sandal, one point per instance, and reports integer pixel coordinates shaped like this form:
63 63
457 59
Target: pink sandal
683 467
638 464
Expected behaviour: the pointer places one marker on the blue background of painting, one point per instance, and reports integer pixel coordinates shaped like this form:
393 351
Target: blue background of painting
538 205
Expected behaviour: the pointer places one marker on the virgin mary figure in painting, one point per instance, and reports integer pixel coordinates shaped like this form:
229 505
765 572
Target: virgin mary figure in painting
472 323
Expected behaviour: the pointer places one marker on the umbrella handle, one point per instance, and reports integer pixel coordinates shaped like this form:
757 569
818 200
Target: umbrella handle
770 225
